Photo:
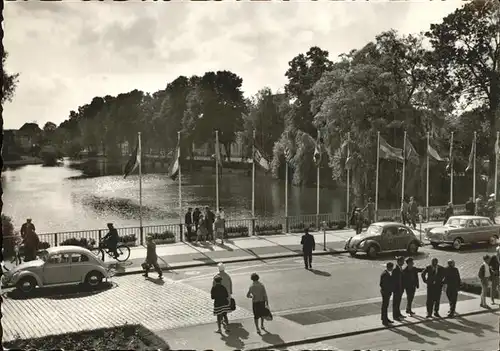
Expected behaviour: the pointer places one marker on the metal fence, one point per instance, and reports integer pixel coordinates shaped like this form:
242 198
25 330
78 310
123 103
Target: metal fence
170 233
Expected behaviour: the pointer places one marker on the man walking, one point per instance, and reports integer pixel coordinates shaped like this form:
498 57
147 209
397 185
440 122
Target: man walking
470 208
452 281
404 212
413 210
209 219
397 277
308 246
410 283
448 212
30 240
370 208
386 287
196 219
188 221
480 206
433 276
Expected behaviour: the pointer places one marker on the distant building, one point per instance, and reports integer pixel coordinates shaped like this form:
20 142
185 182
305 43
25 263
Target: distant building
28 136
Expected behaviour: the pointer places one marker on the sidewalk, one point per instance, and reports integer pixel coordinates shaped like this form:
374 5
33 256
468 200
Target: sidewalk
284 333
185 255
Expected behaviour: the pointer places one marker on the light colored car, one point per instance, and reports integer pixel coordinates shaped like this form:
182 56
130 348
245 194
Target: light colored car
384 236
460 230
61 265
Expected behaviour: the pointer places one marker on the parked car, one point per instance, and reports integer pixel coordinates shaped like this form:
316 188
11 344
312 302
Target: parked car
384 236
460 230
56 266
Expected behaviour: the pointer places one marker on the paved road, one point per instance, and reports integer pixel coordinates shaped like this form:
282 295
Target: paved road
479 332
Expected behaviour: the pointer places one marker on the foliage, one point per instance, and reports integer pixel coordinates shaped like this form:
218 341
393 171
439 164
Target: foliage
166 235
236 231
129 238
9 236
83 242
269 229
9 81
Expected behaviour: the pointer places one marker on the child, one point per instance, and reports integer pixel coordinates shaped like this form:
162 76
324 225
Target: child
151 258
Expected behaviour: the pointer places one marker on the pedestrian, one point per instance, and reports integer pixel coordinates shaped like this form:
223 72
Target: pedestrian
410 283
201 233
308 246
221 302
485 277
30 240
492 207
470 207
413 212
448 212
151 258
479 205
404 211
452 282
188 221
196 218
397 279
386 287
227 283
260 303
219 229
494 269
209 223
223 217
370 208
357 219
433 276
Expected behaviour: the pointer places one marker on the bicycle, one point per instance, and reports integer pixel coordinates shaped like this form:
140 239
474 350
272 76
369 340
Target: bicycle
122 250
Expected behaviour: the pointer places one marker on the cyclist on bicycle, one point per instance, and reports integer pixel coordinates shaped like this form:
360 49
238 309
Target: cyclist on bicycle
110 241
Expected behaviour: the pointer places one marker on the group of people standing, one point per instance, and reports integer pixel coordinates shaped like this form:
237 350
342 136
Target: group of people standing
358 217
29 242
409 212
222 291
204 225
396 280
482 207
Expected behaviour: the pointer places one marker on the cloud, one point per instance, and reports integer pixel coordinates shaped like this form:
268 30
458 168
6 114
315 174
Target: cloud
67 53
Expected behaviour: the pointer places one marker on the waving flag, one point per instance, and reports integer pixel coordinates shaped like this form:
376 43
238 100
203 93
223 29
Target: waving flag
411 154
471 156
259 158
389 152
134 160
434 154
317 152
174 167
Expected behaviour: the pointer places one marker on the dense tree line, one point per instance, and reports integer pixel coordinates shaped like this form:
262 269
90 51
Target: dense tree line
446 79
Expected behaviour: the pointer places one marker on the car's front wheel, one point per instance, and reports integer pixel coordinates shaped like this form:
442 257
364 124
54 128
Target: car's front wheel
352 253
94 279
372 251
413 248
457 243
493 240
435 245
26 285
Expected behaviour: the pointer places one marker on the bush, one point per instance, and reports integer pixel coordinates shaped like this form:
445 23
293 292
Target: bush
43 245
10 237
275 228
473 286
83 242
167 234
238 230
130 238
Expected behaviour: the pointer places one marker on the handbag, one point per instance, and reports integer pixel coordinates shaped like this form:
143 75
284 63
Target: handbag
232 304
268 316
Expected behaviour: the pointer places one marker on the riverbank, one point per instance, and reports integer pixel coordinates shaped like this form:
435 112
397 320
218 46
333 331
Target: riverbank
24 161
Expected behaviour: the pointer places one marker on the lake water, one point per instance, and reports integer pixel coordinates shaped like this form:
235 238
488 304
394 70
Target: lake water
59 199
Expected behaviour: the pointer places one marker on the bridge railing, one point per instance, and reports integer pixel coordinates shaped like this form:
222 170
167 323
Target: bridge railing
176 232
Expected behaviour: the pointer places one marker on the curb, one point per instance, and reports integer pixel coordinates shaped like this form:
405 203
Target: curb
138 270
354 333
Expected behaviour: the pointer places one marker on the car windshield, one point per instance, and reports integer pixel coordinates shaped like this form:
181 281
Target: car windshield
372 231
456 222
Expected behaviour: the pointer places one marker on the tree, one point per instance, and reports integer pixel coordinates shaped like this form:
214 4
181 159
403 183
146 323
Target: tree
49 127
9 81
466 59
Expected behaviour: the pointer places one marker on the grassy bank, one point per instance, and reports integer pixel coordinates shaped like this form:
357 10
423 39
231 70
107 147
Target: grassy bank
127 337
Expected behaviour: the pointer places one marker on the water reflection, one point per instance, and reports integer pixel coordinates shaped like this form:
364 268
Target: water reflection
60 199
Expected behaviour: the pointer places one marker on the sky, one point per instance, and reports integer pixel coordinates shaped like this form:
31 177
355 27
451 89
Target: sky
69 52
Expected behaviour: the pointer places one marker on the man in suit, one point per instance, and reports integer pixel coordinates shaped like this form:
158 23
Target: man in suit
433 276
386 287
410 283
370 207
470 207
188 221
413 212
452 281
209 221
448 212
196 219
308 246
397 278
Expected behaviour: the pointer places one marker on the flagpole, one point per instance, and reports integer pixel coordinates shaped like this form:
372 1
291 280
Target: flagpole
217 150
404 170
286 188
253 175
474 169
180 176
451 168
427 178
496 164
317 182
376 176
348 175
140 181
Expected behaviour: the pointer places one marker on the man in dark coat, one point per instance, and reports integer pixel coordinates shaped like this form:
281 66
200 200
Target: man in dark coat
410 283
433 276
188 221
470 207
209 221
452 281
397 278
448 212
30 240
370 208
308 246
413 212
491 207
196 218
386 288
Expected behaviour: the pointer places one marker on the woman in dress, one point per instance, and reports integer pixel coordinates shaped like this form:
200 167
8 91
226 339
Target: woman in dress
222 306
202 229
257 292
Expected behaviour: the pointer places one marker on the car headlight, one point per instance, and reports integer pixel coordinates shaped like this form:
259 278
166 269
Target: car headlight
361 244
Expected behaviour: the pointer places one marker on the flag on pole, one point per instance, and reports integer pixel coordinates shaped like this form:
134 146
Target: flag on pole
174 166
134 160
434 154
449 164
317 153
259 158
497 147
288 154
411 154
349 162
389 152
471 156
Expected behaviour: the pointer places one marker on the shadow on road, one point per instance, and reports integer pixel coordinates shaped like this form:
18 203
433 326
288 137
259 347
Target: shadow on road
321 273
235 336
388 256
411 337
61 293
272 339
157 281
